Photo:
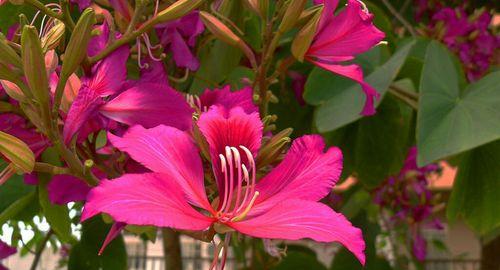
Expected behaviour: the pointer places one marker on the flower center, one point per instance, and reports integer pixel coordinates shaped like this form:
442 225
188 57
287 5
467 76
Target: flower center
239 184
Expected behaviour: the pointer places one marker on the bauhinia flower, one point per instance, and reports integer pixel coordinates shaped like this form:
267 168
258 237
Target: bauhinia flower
5 251
340 38
283 204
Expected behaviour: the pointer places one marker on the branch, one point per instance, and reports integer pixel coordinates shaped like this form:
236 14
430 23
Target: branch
40 250
51 169
49 12
400 18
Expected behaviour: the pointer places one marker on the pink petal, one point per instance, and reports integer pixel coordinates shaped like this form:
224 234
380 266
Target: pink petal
225 97
299 219
109 74
170 151
6 250
155 73
150 105
115 230
354 73
306 173
66 188
122 7
99 42
233 128
329 7
145 199
182 54
349 33
84 108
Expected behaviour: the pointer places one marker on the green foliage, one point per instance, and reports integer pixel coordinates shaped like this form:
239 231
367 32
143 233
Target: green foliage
347 103
477 189
84 255
451 118
13 190
296 260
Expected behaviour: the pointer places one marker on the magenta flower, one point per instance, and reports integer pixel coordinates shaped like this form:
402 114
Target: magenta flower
179 37
5 251
102 98
225 97
281 205
340 38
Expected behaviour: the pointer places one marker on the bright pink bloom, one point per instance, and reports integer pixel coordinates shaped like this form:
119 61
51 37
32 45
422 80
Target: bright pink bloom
179 37
5 251
229 99
340 38
282 205
102 97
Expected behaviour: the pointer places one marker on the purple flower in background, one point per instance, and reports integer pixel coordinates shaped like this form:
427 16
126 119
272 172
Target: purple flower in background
5 251
179 37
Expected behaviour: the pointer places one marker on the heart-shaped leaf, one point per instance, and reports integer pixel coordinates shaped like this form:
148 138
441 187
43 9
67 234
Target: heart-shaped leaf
450 119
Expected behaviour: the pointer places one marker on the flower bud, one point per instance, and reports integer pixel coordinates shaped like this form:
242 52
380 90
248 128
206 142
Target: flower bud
304 38
77 45
52 38
13 90
222 32
273 148
178 10
34 66
17 152
51 61
8 54
292 14
254 6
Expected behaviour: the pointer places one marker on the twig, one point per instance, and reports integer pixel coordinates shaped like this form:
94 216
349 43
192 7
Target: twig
45 9
400 18
48 168
40 250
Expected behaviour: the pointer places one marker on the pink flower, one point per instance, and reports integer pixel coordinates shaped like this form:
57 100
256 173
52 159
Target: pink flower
340 38
102 97
229 99
179 37
284 204
5 251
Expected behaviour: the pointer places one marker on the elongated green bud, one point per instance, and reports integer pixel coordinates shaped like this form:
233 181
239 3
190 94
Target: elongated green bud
304 38
17 152
53 37
292 14
78 43
34 66
178 10
7 54
222 32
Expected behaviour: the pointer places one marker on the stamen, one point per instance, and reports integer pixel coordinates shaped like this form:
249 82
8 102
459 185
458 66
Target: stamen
365 8
148 47
237 161
247 209
250 186
229 193
138 42
224 170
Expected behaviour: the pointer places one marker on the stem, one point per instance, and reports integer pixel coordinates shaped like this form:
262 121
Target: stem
51 169
410 102
400 18
45 9
40 250
405 92
172 249
66 14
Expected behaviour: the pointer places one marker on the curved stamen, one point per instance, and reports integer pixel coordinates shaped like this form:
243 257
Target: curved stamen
138 42
228 185
237 161
247 209
224 170
250 185
148 47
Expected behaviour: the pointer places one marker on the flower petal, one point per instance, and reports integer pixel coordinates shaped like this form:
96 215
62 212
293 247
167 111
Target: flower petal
63 189
225 97
306 173
150 105
6 250
349 33
167 150
99 42
354 73
182 54
145 199
234 128
299 219
84 108
115 230
109 74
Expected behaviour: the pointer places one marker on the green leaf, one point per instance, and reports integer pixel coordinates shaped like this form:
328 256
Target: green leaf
17 207
382 142
477 189
451 119
84 255
345 107
57 215
298 261
13 190
217 60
